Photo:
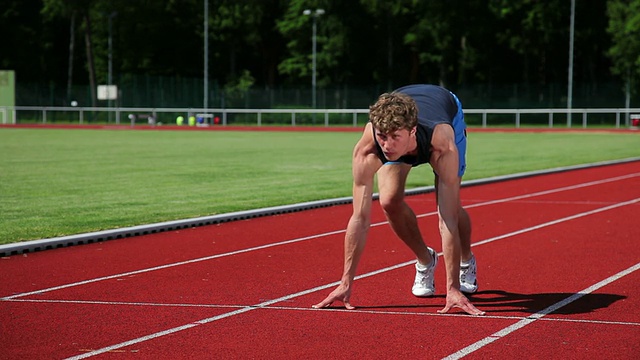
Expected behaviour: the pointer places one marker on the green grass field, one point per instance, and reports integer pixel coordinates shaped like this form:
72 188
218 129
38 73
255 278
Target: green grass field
60 182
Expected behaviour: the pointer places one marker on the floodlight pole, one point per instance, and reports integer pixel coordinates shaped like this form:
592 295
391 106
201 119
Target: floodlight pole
314 14
570 81
206 54
110 75
110 70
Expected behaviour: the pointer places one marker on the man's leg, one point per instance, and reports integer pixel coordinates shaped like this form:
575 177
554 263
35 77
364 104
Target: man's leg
468 269
391 186
464 228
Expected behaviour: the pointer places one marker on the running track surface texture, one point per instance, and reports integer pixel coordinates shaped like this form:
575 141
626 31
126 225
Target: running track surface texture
558 264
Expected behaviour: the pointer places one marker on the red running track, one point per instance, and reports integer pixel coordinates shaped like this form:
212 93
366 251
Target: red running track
558 258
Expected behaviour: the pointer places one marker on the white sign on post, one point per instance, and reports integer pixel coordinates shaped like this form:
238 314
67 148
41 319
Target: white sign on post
107 92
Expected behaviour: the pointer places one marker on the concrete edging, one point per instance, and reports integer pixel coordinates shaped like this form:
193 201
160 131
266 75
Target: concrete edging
99 236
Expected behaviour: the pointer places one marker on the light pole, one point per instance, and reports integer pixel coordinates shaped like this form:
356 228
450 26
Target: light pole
206 55
110 70
570 80
110 75
314 14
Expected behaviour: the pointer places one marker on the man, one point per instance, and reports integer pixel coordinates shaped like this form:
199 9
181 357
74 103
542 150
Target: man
413 125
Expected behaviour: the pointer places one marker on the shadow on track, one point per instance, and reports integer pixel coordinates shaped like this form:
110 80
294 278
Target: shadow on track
504 301
500 301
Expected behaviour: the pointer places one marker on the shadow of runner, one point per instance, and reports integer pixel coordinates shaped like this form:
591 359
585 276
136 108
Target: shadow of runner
504 301
500 301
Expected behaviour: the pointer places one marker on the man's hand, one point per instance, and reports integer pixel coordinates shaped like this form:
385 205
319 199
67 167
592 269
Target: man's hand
341 293
456 299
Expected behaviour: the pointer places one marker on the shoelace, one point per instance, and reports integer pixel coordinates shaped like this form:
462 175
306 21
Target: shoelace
463 275
424 278
464 271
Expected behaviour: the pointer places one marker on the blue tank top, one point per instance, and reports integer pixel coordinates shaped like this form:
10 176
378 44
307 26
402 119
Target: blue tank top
436 105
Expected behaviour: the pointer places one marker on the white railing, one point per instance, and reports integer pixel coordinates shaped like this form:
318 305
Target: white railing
615 117
621 115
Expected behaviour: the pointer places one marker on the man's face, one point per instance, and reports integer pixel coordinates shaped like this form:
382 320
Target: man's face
395 144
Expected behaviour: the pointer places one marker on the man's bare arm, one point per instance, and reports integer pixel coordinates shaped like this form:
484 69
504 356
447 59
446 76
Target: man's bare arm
364 166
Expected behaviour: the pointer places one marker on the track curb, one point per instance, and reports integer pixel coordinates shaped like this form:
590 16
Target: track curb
100 236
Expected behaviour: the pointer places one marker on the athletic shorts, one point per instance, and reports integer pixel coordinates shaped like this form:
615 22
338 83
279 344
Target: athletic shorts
460 129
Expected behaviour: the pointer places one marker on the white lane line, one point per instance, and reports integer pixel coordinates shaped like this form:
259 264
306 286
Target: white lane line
198 323
124 303
568 202
560 189
488 340
359 310
162 267
539 315
554 222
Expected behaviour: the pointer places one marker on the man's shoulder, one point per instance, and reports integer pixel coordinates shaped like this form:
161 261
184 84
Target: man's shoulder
443 136
365 152
365 148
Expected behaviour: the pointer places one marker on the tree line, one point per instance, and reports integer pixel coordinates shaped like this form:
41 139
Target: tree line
268 43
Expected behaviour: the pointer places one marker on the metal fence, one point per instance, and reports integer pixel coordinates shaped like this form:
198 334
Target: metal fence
141 116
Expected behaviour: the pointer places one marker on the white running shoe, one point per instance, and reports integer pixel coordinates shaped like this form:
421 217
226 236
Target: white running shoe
468 281
424 285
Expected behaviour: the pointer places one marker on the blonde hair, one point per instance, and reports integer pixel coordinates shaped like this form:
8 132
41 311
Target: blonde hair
393 111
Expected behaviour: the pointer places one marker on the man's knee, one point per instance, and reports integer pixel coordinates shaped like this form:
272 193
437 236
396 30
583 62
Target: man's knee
392 204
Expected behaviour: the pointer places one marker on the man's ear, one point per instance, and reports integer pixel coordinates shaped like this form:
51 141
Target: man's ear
413 130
